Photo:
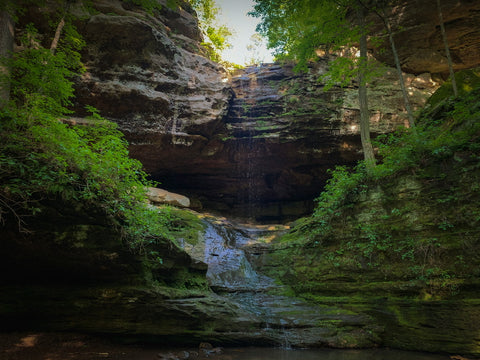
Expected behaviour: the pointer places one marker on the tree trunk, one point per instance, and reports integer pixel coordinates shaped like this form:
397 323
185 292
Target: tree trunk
6 51
447 49
58 32
411 120
388 26
362 93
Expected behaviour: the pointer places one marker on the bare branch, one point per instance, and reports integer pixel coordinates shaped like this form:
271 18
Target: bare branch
56 39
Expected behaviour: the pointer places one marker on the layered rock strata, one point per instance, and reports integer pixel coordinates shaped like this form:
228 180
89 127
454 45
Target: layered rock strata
282 133
257 147
417 35
73 273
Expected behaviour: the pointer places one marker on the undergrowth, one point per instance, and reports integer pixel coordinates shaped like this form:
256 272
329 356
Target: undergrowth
364 229
404 152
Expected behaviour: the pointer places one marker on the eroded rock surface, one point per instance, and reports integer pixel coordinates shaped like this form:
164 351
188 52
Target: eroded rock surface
270 157
148 75
161 196
258 146
418 38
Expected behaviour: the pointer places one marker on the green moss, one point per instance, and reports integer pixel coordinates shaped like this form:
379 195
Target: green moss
186 225
467 80
400 245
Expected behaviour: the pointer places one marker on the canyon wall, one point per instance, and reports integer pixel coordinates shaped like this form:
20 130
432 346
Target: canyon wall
416 28
256 144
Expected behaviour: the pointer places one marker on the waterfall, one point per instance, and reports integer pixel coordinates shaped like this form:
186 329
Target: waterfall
248 145
228 267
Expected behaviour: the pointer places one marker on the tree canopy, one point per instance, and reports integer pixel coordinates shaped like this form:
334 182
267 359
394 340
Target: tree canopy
216 35
298 30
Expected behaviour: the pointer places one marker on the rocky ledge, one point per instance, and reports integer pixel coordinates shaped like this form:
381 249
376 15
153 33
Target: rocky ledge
269 157
72 273
257 145
416 27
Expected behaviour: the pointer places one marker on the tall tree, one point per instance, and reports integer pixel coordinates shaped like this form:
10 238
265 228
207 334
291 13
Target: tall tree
447 49
382 10
6 51
298 29
362 90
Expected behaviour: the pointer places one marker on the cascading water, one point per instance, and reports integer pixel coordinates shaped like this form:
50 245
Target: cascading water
228 267
244 119
284 321
229 270
233 252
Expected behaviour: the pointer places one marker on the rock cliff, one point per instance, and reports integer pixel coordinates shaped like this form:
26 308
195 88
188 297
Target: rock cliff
72 272
417 35
282 132
402 249
148 74
257 145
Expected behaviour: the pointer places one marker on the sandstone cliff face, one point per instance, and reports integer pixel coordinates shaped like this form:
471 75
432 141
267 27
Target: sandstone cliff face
147 74
260 153
270 157
402 248
418 38
258 146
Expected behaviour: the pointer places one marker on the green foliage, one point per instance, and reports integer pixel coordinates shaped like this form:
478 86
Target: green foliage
217 35
17 7
150 6
413 218
404 151
218 41
88 164
44 156
468 80
41 79
434 140
337 191
298 30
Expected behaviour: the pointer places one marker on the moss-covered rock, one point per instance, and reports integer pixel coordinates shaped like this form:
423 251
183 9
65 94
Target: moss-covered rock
402 249
72 271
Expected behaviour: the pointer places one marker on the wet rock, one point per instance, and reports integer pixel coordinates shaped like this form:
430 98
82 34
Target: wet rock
229 269
181 355
205 346
212 352
168 356
274 318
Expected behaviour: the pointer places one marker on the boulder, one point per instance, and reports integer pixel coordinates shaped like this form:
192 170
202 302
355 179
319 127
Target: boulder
160 196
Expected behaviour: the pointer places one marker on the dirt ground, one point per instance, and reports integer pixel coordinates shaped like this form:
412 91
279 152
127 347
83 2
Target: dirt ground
53 346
